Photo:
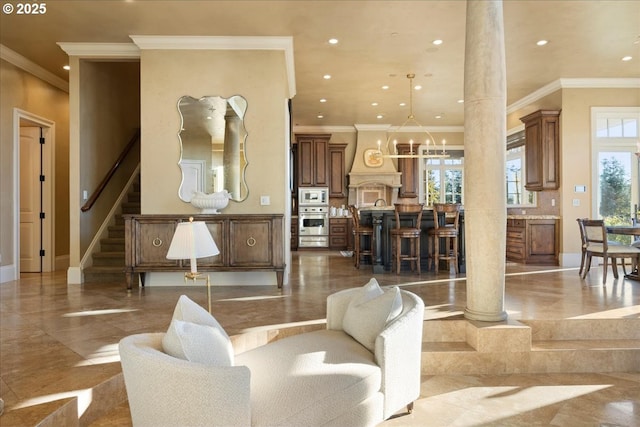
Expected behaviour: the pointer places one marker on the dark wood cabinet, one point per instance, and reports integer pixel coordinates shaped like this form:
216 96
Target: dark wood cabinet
533 241
313 163
246 243
337 175
409 170
294 233
338 237
542 150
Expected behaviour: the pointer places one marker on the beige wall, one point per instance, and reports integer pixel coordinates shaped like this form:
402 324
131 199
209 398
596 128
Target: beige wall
258 76
22 90
109 115
576 153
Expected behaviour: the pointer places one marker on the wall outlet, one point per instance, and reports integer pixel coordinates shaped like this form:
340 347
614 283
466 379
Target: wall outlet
265 200
576 202
85 195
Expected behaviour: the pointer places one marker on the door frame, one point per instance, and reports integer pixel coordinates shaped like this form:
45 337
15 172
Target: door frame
48 165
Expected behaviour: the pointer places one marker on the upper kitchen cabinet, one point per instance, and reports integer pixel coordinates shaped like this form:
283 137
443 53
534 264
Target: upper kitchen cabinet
337 181
542 150
409 169
313 164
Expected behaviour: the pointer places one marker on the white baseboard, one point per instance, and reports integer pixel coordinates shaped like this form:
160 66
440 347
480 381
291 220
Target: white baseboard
8 273
74 276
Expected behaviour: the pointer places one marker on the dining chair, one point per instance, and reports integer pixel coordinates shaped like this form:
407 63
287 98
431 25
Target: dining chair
360 231
597 245
583 245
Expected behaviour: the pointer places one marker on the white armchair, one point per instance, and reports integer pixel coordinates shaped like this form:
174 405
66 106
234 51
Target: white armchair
320 378
398 348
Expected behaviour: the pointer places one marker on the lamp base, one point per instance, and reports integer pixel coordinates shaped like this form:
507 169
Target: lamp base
190 275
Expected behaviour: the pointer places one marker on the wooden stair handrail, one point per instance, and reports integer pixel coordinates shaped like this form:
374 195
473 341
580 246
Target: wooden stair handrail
96 193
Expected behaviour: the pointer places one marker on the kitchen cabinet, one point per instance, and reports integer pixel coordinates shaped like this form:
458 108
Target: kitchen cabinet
337 175
409 173
338 237
294 233
246 243
542 150
533 240
313 163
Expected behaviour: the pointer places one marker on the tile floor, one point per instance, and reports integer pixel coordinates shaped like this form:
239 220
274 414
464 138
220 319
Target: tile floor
56 341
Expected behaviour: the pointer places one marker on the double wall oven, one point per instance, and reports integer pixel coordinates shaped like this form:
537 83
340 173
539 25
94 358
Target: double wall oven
313 217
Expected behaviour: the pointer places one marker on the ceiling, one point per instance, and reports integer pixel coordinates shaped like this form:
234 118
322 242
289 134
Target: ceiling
380 42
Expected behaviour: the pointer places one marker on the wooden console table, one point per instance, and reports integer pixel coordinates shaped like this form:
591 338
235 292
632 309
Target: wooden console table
246 243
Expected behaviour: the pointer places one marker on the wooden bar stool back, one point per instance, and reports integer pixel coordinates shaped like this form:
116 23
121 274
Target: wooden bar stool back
446 218
360 231
411 233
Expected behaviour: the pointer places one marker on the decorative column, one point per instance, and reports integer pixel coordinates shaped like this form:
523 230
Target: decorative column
231 154
484 160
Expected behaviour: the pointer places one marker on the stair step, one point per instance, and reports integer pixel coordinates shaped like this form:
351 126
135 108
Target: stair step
116 230
112 244
104 274
106 259
131 207
588 345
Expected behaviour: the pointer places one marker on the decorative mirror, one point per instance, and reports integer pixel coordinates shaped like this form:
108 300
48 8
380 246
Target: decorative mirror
212 139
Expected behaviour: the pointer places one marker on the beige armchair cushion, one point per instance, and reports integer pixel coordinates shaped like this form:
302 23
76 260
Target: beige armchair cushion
196 336
368 313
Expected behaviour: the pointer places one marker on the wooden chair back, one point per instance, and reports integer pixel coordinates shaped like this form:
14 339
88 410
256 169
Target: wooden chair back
446 215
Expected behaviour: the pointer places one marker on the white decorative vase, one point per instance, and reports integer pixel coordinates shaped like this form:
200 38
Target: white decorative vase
210 203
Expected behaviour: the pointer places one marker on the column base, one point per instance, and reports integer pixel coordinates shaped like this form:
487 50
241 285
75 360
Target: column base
485 317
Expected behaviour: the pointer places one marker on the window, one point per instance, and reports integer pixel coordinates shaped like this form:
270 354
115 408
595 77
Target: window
441 179
517 195
615 165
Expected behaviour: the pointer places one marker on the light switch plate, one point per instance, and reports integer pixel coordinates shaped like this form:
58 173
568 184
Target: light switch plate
576 202
265 200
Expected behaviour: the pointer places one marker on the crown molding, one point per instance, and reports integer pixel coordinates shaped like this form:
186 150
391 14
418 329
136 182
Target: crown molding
100 50
284 43
31 67
324 129
577 83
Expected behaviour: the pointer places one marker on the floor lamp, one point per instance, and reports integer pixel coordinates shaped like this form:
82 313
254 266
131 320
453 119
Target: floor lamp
193 240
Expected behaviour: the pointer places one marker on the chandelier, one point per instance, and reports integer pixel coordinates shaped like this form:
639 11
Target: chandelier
392 142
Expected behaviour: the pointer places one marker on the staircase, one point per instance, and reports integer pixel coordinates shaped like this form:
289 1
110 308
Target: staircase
461 347
108 263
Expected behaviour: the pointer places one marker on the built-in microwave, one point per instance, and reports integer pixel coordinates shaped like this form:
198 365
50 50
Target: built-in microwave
313 196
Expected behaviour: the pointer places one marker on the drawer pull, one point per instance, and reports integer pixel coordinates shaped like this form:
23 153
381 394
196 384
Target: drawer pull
251 242
157 242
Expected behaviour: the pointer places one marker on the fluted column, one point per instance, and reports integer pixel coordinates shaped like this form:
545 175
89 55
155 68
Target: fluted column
484 160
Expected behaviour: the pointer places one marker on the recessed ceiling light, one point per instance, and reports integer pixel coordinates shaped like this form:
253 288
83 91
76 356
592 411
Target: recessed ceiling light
323 100
320 116
326 76
437 42
541 42
379 116
385 87
402 104
333 41
374 104
417 87
627 58
439 116
66 67
460 101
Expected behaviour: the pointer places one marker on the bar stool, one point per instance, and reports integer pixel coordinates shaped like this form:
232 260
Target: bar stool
360 231
446 217
411 233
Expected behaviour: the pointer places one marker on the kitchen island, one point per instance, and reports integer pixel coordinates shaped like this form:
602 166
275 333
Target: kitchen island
383 219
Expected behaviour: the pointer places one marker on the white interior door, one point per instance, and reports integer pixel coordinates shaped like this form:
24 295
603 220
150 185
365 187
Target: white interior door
30 226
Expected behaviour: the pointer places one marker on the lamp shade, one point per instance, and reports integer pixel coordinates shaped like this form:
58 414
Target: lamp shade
192 240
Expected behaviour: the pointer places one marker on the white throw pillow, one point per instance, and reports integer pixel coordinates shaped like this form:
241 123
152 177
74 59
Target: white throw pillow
368 314
197 343
214 340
